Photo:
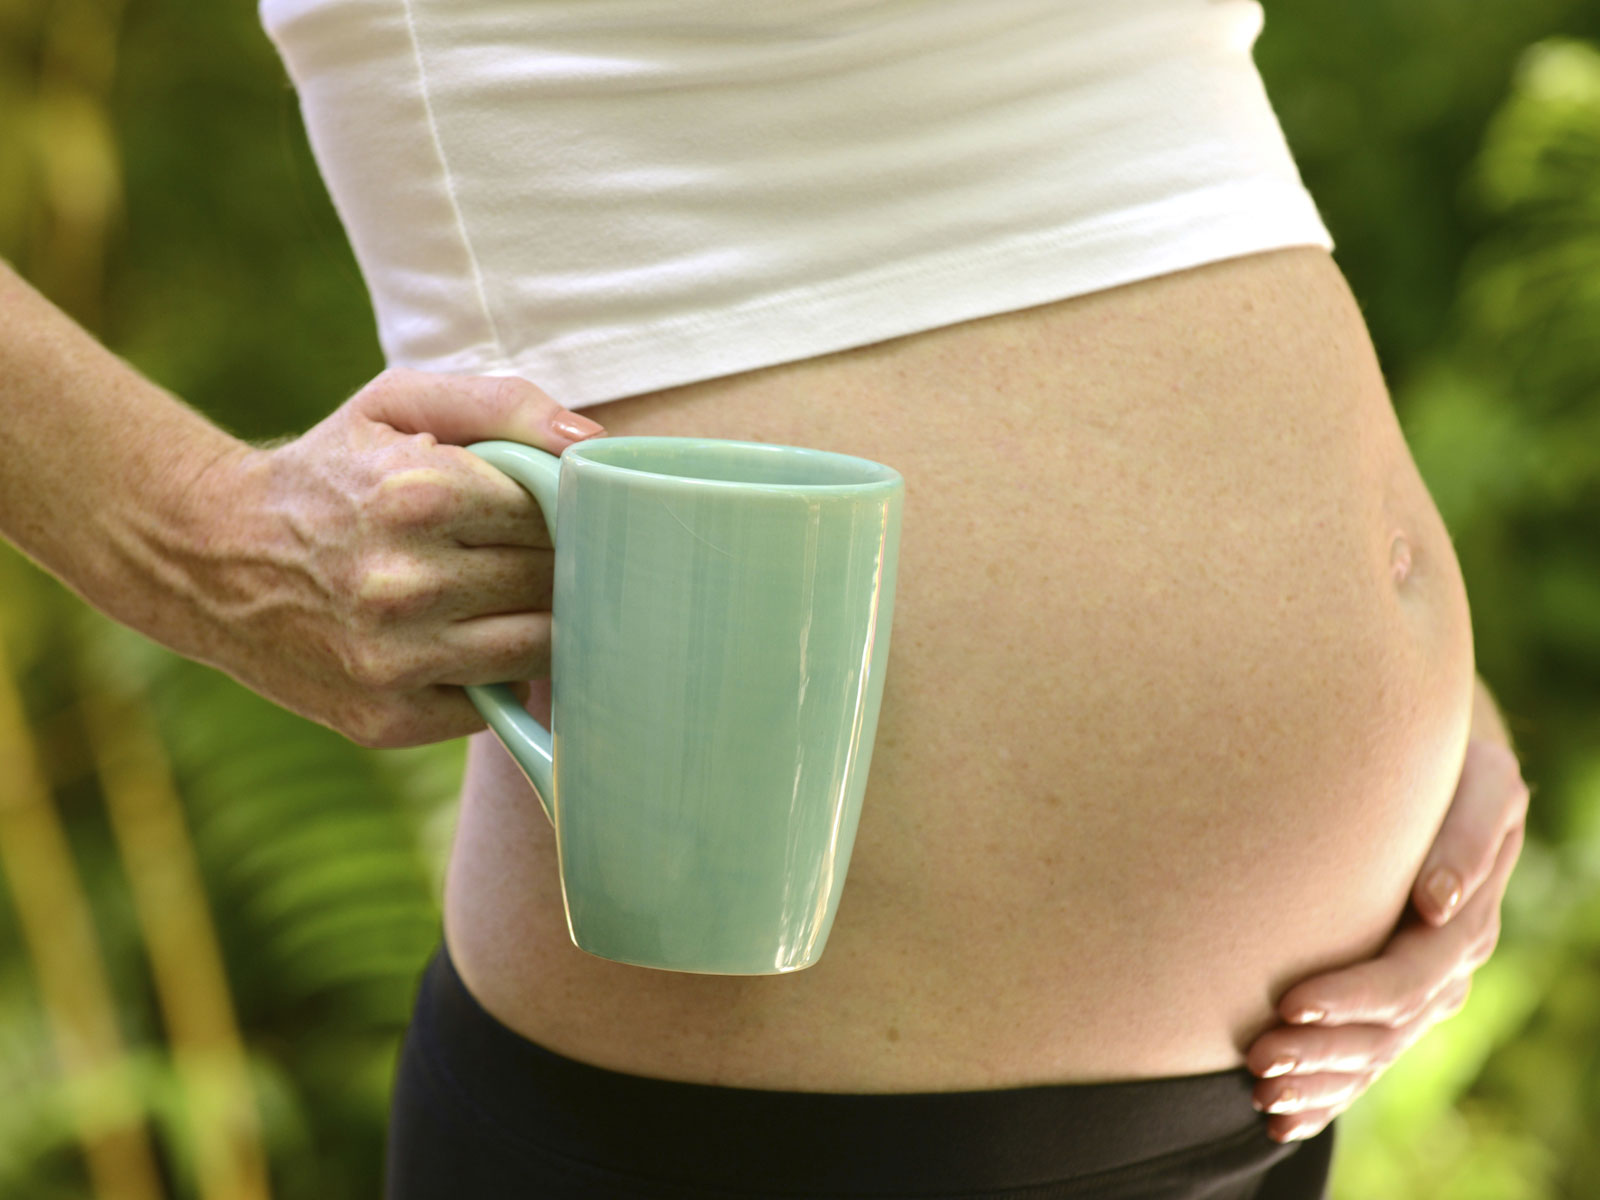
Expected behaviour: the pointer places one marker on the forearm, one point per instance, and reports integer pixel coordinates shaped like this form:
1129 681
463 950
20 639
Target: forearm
103 472
1487 722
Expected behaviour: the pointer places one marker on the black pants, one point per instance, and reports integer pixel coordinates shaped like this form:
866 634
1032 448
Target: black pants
481 1112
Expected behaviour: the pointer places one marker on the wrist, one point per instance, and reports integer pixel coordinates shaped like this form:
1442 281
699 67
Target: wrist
181 554
1487 722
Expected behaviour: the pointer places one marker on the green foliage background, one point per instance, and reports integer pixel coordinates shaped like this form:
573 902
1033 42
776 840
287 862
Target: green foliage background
154 180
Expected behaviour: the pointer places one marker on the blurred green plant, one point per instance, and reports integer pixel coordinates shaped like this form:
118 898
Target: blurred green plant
155 181
1502 415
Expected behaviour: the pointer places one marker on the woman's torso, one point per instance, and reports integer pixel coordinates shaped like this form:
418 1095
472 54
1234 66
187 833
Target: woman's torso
1168 724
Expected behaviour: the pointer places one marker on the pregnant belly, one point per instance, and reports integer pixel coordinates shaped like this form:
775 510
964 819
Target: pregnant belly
1179 686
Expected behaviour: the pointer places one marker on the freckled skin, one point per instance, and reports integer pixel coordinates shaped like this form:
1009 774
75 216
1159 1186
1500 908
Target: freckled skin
397 480
389 584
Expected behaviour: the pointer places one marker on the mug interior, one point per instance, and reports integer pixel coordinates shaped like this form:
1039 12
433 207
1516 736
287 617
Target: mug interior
747 463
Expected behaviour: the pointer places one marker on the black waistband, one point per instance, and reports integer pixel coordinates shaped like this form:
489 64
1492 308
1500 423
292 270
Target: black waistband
1195 1128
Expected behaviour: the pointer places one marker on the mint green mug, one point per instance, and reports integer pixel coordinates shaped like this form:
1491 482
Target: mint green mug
719 635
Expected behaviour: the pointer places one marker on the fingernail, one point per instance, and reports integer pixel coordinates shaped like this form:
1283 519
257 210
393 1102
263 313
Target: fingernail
1288 1100
1280 1066
1298 1132
1444 889
574 427
1307 1015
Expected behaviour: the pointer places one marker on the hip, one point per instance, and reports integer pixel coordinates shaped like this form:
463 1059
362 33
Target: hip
479 1109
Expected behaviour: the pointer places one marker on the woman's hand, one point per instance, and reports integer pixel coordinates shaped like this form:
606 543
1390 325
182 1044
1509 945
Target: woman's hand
372 563
1373 1011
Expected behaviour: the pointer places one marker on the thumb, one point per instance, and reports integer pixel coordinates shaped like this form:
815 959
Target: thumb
1491 800
461 409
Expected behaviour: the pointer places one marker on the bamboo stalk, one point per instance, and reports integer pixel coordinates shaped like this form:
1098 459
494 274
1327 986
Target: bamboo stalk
79 175
174 915
80 181
58 929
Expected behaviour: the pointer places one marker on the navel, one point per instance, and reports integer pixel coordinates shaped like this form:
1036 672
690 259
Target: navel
1400 558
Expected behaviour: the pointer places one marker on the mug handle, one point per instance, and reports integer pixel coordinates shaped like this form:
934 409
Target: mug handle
528 741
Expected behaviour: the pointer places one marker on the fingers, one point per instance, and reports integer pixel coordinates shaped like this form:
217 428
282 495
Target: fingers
1491 799
1325 1092
416 718
402 597
393 563
1347 1049
462 409
1419 961
1375 1010
432 486
511 648
1333 1066
455 500
491 580
1296 1126
1338 1049
411 701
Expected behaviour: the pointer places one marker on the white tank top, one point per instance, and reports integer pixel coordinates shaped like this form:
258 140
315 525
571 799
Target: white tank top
607 197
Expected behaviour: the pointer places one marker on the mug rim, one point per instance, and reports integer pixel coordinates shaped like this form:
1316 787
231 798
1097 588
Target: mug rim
876 475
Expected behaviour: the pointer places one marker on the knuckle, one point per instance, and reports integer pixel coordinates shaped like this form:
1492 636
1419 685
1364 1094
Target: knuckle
390 382
1349 1091
415 718
519 654
1484 945
361 664
391 588
382 727
1395 1043
375 666
414 498
1409 1009
1380 1000
508 393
